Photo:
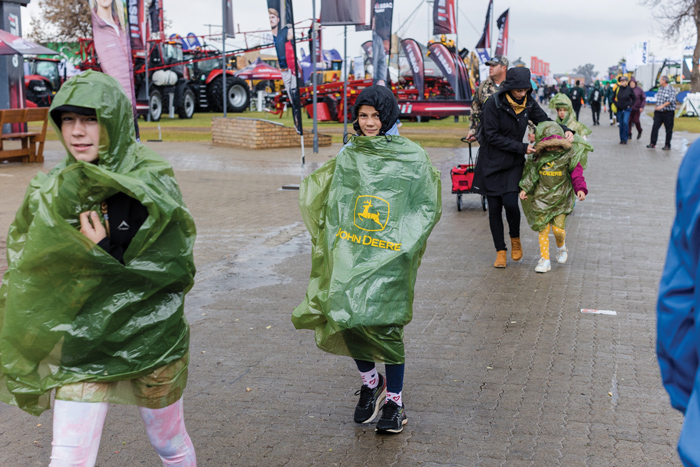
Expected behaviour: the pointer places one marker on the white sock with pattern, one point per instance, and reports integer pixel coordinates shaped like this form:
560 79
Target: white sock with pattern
396 397
370 378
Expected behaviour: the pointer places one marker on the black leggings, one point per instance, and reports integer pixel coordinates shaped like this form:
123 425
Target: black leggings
496 205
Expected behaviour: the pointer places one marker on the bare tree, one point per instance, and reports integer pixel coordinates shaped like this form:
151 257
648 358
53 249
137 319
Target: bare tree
61 21
587 71
679 18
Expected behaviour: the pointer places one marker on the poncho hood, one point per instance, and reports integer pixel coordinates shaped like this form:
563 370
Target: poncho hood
70 312
562 101
384 101
549 135
517 78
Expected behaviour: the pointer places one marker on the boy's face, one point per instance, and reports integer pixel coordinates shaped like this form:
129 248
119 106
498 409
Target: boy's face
368 119
561 113
82 135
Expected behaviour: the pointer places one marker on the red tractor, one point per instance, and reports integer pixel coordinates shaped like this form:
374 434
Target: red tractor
205 70
42 80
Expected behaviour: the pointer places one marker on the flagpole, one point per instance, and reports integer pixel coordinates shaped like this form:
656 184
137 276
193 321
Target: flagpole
457 57
223 42
345 84
491 28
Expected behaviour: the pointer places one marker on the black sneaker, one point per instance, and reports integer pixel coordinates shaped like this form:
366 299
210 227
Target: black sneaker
651 146
370 400
393 418
666 148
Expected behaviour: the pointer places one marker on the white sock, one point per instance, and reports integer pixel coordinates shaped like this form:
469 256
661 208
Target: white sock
370 378
392 396
562 248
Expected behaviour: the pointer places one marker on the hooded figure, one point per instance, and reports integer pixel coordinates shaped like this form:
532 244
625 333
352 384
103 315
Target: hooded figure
561 101
547 179
383 100
69 311
596 97
369 211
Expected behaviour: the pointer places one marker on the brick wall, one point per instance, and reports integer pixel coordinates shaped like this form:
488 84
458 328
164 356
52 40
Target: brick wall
255 133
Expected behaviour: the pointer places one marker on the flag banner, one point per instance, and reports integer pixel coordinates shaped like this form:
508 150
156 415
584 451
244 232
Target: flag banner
502 25
485 41
445 61
382 15
137 24
483 55
155 14
444 17
281 18
230 30
414 55
114 48
463 77
345 12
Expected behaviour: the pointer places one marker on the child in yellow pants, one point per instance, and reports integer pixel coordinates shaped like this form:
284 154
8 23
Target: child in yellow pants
552 180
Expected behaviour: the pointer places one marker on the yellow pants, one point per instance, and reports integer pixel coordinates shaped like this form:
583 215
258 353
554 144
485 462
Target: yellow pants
559 236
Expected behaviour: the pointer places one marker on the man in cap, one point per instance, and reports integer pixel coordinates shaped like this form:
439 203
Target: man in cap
498 66
623 100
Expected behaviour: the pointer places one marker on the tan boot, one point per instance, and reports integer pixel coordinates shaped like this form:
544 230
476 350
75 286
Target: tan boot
501 259
516 249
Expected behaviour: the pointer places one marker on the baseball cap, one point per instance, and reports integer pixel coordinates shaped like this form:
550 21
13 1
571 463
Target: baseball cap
622 78
498 60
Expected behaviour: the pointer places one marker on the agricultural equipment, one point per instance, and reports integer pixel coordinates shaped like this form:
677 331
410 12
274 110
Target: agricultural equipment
206 80
42 80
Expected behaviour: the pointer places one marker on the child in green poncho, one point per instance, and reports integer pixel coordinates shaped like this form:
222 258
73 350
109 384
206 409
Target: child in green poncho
552 179
567 116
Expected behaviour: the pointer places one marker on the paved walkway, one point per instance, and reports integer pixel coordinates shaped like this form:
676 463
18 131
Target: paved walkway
503 369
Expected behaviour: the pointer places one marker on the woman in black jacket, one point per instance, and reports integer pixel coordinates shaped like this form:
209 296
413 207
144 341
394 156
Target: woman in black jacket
502 156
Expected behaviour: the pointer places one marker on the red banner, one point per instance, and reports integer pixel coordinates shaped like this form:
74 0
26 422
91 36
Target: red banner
136 14
485 41
343 12
444 17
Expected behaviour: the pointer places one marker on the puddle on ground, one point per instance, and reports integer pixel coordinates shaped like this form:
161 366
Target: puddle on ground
252 266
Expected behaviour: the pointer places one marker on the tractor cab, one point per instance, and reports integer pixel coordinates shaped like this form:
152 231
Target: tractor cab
42 80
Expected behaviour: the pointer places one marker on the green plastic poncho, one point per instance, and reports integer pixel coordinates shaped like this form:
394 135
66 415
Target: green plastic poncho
569 121
369 212
547 178
70 312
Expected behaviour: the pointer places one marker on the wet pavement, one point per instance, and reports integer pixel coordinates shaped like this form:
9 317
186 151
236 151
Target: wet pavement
502 367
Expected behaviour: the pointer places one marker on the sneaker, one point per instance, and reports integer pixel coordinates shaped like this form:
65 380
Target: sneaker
666 148
639 135
651 146
562 254
543 265
393 418
370 400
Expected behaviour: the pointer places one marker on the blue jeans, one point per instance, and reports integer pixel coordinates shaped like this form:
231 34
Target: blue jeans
623 118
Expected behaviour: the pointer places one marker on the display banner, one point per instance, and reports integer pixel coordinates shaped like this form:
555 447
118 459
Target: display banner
414 55
136 15
502 25
382 16
114 49
444 17
455 73
230 29
155 11
281 18
345 12
485 41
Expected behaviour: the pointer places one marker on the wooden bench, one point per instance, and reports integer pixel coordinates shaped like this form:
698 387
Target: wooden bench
32 149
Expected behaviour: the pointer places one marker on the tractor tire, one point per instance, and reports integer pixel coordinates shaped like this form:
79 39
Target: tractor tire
238 94
185 102
155 104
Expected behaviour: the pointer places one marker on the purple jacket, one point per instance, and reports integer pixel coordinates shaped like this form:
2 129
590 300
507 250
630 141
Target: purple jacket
578 180
640 98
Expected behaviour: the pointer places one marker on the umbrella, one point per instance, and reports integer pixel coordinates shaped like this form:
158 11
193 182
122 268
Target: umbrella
11 45
259 70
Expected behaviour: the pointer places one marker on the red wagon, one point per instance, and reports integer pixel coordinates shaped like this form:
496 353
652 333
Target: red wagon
463 179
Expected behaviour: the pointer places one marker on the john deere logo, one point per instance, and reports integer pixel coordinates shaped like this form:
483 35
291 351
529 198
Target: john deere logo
371 213
548 166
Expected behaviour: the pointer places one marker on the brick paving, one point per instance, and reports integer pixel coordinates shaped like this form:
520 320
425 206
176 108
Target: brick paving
502 368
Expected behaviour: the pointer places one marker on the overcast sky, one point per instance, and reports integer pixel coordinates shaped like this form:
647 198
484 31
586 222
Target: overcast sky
565 34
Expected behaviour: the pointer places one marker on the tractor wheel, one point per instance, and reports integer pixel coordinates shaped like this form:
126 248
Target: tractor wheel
155 105
238 94
185 102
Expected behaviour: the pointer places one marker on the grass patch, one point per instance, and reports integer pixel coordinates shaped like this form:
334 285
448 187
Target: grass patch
435 133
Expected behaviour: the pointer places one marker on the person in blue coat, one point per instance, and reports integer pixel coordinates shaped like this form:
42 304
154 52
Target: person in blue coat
678 335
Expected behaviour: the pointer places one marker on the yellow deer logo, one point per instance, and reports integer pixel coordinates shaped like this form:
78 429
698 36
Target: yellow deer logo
373 209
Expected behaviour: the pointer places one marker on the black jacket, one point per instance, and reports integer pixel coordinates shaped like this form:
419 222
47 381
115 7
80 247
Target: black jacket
126 216
502 152
625 98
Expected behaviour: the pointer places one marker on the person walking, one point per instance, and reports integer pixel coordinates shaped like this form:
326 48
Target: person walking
502 156
498 66
92 303
663 113
609 96
596 97
640 100
623 100
678 327
576 94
